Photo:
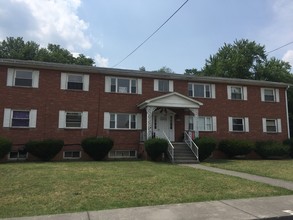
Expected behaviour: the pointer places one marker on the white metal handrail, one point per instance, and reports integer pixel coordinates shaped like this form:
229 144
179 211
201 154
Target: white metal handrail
170 148
194 148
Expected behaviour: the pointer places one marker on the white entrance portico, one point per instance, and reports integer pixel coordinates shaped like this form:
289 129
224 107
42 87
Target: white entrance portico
161 119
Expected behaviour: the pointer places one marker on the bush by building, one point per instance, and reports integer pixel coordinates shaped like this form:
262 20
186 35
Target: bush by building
206 146
97 147
234 148
271 149
155 147
5 147
46 149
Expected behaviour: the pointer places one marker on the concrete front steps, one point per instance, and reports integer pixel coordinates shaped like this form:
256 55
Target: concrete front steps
183 154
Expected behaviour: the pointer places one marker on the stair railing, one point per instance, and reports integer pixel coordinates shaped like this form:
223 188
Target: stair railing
194 148
170 148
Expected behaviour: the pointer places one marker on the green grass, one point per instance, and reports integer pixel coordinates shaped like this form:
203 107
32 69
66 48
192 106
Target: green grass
28 189
280 169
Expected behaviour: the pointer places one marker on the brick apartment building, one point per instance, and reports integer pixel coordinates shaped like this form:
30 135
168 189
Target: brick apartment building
41 100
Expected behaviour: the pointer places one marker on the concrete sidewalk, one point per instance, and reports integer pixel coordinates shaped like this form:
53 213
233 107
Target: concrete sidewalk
280 207
238 209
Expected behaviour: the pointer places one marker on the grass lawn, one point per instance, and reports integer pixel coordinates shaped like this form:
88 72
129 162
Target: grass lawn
280 169
28 189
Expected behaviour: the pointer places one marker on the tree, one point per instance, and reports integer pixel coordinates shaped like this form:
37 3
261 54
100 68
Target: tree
165 69
192 72
142 68
17 48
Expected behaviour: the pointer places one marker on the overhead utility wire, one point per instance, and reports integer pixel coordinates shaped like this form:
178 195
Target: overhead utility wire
151 34
280 47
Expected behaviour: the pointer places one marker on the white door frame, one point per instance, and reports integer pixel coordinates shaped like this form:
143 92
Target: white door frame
163 120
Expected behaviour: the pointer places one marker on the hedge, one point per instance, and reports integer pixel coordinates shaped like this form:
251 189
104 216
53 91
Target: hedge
271 149
206 146
289 142
46 149
234 148
5 147
97 147
155 147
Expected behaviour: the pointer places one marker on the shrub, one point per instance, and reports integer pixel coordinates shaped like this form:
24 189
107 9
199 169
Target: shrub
234 148
206 146
45 149
289 142
97 148
155 147
5 147
269 149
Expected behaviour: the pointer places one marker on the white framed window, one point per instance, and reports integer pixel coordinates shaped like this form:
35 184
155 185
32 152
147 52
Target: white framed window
71 154
271 125
122 121
163 85
120 154
237 124
71 81
123 85
17 155
201 90
22 78
203 123
270 95
237 92
18 118
73 120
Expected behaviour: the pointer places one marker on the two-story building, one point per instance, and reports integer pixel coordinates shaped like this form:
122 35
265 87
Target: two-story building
40 100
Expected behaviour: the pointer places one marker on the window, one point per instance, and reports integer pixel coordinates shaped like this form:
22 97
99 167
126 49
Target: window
203 123
237 92
122 154
18 155
74 81
272 125
163 85
73 120
201 90
238 124
122 121
71 154
123 85
19 118
22 78
270 95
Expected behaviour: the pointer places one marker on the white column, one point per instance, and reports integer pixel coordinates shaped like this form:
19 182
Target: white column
150 111
195 113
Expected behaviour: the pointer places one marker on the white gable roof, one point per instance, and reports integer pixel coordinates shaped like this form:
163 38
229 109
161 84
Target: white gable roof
171 100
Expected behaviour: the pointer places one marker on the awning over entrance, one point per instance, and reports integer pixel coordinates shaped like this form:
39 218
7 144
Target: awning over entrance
170 100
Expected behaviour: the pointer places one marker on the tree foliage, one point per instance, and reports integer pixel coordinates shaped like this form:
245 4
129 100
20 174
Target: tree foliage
165 69
17 48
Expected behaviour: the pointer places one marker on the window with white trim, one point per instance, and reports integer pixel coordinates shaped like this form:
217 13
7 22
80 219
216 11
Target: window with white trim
237 92
237 124
71 155
201 90
163 85
272 125
122 121
122 154
70 81
204 123
17 155
16 118
73 120
22 78
270 95
123 85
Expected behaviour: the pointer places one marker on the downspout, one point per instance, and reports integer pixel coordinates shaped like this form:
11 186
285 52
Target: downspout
287 112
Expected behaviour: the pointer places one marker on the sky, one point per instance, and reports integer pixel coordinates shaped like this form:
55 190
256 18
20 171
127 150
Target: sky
108 30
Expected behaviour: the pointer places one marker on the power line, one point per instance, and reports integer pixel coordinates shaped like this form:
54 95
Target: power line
280 47
151 34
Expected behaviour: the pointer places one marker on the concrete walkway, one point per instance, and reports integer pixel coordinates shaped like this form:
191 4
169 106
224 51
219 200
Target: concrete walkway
280 207
260 179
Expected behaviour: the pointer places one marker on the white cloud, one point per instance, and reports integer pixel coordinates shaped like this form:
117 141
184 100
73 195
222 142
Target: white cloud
101 61
56 21
288 57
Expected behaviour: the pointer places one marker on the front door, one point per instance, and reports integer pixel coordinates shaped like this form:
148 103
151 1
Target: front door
163 122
